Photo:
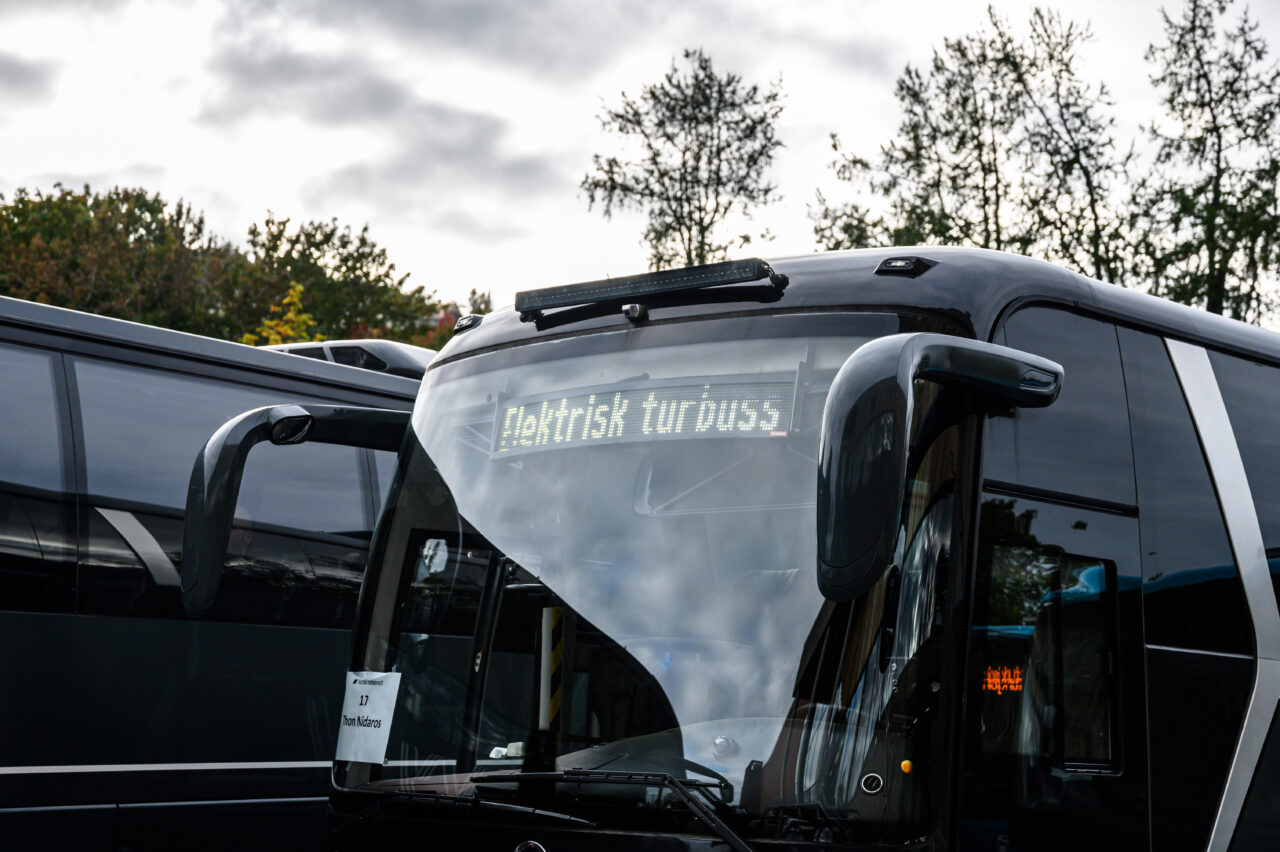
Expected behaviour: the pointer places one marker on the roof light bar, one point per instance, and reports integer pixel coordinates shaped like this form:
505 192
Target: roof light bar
531 302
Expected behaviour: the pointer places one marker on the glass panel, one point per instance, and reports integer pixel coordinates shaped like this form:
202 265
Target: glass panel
1193 597
357 356
1044 766
625 582
143 429
37 521
1051 612
1259 824
1251 392
1080 444
30 428
313 487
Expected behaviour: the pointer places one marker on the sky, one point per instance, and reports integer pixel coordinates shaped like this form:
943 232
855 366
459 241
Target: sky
460 130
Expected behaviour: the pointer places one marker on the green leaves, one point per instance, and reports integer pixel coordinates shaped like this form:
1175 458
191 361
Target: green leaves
1207 213
1001 145
129 254
699 145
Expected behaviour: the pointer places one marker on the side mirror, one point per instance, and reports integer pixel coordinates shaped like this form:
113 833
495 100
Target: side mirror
862 466
215 479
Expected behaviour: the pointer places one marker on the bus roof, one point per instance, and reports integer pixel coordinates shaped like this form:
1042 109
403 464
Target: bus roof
162 341
972 287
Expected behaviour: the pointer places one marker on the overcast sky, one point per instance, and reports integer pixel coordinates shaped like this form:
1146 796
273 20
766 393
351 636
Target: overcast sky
459 130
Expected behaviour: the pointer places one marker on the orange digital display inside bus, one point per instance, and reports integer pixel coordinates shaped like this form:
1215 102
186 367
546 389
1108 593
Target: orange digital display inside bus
1002 679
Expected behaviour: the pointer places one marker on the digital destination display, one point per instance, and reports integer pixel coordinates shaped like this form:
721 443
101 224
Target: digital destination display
700 408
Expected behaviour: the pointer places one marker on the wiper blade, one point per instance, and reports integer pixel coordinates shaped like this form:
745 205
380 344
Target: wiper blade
478 803
683 790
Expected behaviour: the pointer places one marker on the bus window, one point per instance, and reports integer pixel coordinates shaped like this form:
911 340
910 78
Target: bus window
37 527
1193 603
1252 394
1260 817
1080 444
1044 728
1193 597
297 550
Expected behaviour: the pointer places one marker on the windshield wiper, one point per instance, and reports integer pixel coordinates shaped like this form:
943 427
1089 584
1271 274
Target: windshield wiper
475 802
684 790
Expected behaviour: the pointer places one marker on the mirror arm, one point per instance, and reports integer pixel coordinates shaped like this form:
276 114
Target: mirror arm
215 478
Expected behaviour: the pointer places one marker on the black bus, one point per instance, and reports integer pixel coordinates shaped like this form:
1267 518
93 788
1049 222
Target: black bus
104 677
914 548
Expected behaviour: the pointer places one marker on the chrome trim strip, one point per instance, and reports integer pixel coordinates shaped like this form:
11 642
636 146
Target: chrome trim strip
71 769
1227 654
144 544
1209 412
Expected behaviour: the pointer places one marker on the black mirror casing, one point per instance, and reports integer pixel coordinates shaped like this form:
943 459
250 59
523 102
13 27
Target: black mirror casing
862 466
216 476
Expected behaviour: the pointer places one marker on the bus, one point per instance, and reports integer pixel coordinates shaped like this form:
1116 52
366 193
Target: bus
918 548
103 673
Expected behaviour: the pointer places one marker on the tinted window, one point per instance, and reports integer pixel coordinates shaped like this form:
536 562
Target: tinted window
304 487
37 521
142 431
1193 594
143 428
357 356
1259 824
1051 761
1196 704
1046 687
385 469
30 429
1080 444
1251 392
316 352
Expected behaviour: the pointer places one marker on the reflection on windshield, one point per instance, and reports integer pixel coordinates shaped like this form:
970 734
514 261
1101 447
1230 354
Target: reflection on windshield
626 582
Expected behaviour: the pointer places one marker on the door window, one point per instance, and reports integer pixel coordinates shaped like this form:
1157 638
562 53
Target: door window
37 521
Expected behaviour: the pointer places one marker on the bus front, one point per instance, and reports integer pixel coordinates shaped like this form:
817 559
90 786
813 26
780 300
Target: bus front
591 617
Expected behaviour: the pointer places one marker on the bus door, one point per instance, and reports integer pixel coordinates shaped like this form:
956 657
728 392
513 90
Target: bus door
1054 728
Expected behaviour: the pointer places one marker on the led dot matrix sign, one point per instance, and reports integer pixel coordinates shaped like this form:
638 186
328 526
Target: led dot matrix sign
719 407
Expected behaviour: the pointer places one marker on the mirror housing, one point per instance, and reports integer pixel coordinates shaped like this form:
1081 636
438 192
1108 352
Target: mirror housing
215 478
862 461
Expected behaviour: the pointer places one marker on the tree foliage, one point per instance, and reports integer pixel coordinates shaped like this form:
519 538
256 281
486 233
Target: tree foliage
351 286
701 146
1001 145
129 254
1208 212
286 322
124 253
480 302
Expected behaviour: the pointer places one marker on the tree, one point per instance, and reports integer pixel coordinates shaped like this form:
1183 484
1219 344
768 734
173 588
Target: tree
1001 145
701 145
351 285
124 253
287 322
1209 209
480 303
129 254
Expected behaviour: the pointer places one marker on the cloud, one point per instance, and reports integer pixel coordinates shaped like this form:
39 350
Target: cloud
559 38
329 90
138 174
25 79
7 6
466 224
438 151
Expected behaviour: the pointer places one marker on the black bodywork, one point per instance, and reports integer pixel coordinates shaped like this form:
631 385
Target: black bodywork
123 723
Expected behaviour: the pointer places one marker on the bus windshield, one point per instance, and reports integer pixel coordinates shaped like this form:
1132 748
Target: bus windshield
599 554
